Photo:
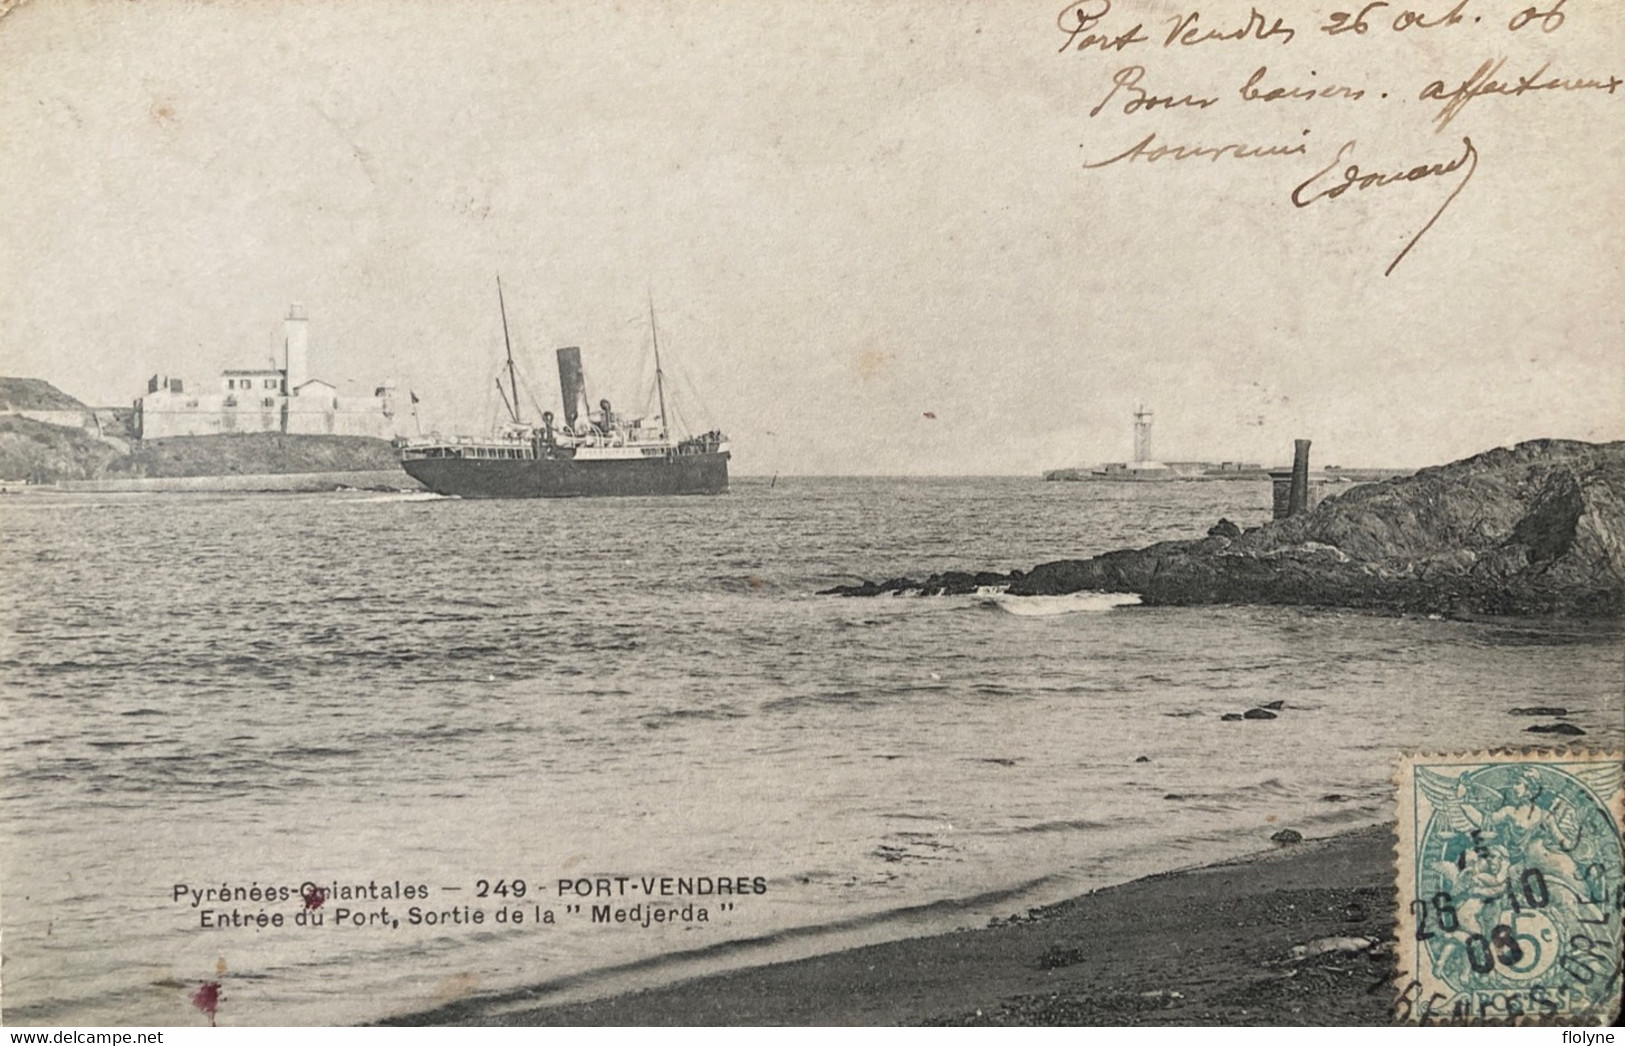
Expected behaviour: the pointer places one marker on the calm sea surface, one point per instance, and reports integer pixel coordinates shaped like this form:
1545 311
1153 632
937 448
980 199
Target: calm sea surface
254 691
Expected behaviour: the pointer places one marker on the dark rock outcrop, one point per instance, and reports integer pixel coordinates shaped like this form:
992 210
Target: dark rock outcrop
1566 729
949 583
1537 529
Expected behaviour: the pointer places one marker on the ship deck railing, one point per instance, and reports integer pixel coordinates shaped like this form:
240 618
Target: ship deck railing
475 451
420 442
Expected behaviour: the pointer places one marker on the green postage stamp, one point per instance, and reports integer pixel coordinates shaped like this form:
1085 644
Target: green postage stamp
1510 887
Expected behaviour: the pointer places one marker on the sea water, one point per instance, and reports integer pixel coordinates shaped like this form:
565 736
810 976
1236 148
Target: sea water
209 692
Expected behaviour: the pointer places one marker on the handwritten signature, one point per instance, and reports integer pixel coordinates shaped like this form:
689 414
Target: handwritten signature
1354 178
1323 184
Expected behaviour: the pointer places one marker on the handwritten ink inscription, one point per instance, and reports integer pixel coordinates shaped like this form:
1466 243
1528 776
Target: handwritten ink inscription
1333 69
1483 83
1138 99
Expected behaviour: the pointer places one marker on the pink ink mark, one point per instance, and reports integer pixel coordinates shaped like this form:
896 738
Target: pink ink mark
315 897
207 999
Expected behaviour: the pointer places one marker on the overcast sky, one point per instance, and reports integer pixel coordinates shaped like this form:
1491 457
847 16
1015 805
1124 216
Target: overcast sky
849 216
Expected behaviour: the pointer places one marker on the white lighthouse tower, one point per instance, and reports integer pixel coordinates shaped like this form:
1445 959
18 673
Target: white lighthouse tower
296 347
1142 436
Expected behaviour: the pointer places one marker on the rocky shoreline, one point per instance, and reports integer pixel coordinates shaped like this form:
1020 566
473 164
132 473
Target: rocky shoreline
1533 530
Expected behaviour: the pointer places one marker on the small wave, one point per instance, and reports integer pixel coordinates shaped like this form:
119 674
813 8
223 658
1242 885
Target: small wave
1351 813
313 752
401 495
846 698
1272 787
1525 637
705 713
655 720
1077 825
1075 602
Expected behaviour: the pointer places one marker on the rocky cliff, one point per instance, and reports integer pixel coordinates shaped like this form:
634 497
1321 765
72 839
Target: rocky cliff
1536 529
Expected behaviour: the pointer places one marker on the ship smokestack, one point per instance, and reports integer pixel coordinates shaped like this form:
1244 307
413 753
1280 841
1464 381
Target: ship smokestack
572 384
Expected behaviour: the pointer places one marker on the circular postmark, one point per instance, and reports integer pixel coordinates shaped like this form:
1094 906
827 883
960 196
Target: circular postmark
1518 887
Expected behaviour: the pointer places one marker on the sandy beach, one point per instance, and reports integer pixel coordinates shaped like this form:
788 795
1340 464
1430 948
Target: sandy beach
1207 946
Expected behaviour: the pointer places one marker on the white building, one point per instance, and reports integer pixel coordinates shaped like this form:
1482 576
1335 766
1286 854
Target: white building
285 400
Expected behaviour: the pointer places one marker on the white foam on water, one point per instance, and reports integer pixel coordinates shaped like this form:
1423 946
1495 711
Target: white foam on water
1071 603
403 495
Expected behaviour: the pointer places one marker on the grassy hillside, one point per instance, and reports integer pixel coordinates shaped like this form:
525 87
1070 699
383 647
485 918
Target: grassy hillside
34 394
256 453
35 452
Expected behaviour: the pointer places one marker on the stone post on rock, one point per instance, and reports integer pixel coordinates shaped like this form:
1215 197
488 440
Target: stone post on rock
1293 494
1298 497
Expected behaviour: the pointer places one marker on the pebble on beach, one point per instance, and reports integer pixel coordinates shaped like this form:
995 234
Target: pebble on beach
1339 945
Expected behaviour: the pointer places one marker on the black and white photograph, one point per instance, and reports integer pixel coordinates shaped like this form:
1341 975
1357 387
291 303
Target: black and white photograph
772 512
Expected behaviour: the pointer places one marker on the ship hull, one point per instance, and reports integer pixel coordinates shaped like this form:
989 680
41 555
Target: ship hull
552 478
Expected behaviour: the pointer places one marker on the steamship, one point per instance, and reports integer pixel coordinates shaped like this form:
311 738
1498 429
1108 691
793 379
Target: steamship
587 453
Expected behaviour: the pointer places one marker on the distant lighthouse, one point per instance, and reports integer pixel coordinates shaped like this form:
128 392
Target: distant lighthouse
1142 435
296 349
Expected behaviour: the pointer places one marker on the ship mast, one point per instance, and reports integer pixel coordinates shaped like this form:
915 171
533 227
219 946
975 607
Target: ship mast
660 378
513 383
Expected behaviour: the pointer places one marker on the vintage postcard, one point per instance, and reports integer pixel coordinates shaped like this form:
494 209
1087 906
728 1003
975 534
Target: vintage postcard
775 512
